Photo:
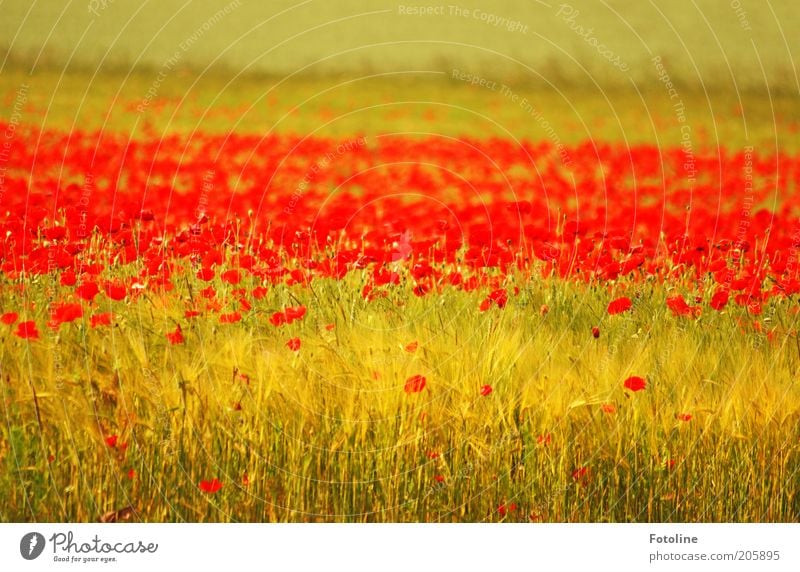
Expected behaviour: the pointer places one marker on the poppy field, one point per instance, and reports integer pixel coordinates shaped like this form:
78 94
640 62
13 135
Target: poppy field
396 326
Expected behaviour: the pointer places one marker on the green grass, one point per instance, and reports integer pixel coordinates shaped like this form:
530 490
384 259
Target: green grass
329 434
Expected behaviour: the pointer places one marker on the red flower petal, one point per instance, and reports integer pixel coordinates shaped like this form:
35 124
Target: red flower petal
619 305
415 384
635 383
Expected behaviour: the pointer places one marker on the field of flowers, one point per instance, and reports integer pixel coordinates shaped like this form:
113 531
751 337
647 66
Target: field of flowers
396 327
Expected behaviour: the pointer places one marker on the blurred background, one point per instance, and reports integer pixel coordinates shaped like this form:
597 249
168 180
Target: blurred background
715 44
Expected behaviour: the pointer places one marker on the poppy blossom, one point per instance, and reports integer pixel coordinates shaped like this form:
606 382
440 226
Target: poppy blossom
608 408
293 344
277 319
415 384
498 297
211 486
9 318
68 278
176 336
111 440
685 417
103 319
420 290
87 291
232 276
231 318
412 347
27 331
619 305
206 274
595 332
63 313
486 390
581 475
635 383
679 307
294 313
116 290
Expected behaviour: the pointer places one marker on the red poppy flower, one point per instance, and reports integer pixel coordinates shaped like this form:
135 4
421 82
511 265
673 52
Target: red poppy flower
259 292
103 319
245 480
64 313
420 290
9 318
502 509
116 290
432 455
544 310
277 319
175 337
679 307
294 313
544 439
232 276
635 383
581 475
293 344
27 331
111 440
330 327
497 298
131 474
595 332
412 347
608 408
87 291
68 278
685 417
619 305
486 390
438 478
205 274
231 318
415 384
188 314
211 486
